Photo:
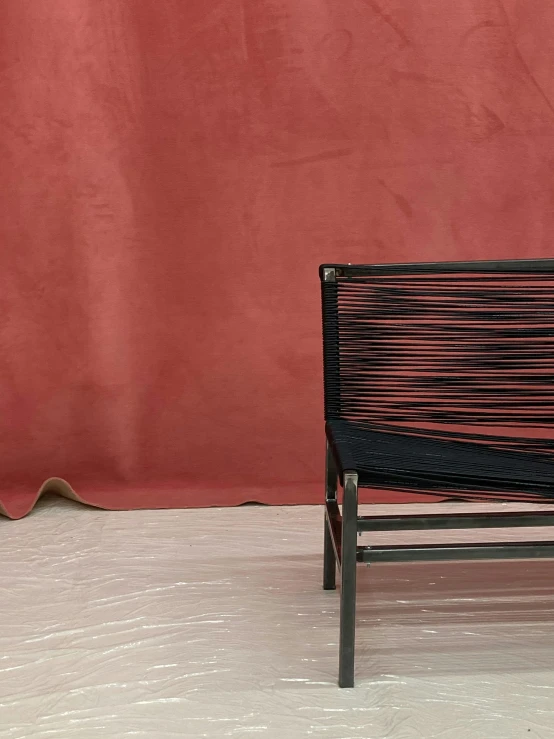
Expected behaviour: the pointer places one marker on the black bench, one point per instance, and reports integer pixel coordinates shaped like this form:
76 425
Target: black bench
439 378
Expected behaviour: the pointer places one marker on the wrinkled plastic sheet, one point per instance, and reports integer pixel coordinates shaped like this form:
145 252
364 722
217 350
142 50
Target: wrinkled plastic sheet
213 623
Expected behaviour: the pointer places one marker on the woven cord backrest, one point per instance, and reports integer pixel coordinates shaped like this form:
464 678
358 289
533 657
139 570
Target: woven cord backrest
469 355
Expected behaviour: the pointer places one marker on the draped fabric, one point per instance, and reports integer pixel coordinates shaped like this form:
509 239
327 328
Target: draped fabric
173 173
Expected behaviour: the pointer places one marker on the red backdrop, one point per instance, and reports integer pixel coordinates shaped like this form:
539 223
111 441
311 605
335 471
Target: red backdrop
172 173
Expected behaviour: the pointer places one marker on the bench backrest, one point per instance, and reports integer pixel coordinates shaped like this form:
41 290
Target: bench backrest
464 348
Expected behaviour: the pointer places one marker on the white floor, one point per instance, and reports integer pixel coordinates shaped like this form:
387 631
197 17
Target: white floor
212 623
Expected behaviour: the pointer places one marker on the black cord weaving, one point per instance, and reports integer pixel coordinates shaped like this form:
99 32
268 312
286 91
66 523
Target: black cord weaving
443 382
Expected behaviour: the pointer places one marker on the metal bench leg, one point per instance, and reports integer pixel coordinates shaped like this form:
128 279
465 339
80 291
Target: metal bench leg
348 581
329 563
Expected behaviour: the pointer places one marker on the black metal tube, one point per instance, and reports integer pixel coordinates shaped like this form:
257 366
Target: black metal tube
329 553
522 266
334 520
452 552
348 581
447 521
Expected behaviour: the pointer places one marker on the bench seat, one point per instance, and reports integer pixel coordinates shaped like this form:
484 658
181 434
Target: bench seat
411 462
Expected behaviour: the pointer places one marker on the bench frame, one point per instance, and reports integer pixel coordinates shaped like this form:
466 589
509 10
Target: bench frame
341 549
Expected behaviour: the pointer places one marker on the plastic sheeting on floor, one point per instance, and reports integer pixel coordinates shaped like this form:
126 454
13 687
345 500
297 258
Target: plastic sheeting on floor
212 623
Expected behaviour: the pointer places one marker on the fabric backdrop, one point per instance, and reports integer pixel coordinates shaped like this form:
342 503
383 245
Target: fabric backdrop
172 173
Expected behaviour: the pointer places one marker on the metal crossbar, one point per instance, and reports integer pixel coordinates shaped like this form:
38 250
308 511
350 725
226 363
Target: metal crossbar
439 552
519 266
